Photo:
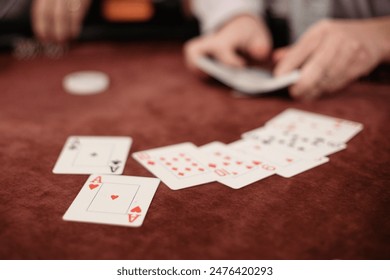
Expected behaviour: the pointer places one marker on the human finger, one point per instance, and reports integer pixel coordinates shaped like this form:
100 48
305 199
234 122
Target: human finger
317 71
342 69
301 51
77 10
61 23
41 18
227 54
259 44
259 47
194 49
280 53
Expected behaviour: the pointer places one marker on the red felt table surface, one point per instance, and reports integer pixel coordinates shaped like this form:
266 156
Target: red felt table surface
339 210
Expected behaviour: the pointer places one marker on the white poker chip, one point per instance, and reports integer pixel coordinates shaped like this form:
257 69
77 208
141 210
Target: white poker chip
86 82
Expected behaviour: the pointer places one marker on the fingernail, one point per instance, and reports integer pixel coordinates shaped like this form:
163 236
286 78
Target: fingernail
296 94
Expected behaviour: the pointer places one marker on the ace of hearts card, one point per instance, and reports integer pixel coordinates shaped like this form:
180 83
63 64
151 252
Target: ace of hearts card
112 199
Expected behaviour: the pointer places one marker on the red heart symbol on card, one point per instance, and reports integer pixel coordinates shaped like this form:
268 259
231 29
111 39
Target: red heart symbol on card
151 162
136 209
289 159
255 162
212 165
93 186
113 197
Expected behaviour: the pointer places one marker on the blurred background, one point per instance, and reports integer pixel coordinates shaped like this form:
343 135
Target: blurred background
107 20
122 20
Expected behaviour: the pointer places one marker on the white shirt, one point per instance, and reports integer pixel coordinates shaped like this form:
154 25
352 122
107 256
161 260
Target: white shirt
300 14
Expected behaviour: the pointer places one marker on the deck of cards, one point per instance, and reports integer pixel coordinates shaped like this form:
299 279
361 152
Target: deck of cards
248 80
289 144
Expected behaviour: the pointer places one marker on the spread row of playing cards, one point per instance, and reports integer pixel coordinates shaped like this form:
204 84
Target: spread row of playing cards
290 143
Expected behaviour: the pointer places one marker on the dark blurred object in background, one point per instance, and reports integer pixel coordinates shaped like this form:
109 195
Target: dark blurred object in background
169 20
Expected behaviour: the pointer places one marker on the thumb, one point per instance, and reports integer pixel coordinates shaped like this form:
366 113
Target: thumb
279 54
229 57
259 48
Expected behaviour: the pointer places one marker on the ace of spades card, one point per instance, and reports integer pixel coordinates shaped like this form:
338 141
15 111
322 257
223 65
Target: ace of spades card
93 154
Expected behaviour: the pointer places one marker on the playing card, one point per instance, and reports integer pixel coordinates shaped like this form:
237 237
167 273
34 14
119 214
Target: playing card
287 162
235 169
178 166
113 199
297 141
250 80
93 154
335 129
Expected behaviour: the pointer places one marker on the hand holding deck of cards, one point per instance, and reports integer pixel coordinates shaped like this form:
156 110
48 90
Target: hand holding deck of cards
289 144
